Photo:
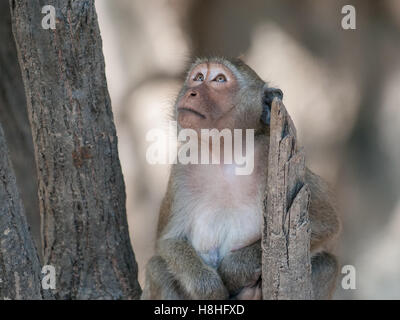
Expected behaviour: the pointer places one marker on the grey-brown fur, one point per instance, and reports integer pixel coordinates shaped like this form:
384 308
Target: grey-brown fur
178 271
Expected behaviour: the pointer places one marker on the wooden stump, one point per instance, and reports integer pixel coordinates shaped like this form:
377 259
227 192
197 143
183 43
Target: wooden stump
286 270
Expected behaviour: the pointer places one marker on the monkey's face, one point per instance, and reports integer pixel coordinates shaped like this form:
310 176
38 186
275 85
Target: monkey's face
208 98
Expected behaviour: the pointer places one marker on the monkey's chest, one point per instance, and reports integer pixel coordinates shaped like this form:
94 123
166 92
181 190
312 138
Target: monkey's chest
226 215
215 233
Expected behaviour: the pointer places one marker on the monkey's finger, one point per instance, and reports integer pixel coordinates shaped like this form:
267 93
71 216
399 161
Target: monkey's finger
268 96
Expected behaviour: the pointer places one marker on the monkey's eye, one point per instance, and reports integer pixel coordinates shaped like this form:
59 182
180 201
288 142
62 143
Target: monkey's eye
220 78
199 77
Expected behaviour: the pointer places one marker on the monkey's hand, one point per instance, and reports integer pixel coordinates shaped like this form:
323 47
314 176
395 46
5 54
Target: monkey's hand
268 96
241 268
198 280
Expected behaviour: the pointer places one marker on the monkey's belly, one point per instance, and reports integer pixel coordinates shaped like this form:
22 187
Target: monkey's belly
217 210
215 234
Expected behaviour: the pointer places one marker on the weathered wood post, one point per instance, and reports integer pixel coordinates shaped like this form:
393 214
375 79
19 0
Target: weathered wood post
286 265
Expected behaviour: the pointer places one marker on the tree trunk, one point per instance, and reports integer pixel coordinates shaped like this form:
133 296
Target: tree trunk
286 265
19 263
14 119
81 187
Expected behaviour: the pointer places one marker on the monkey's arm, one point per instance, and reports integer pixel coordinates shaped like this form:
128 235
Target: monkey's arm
325 224
241 268
197 279
165 209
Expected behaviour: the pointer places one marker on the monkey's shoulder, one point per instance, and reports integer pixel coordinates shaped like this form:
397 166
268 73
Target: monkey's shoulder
324 217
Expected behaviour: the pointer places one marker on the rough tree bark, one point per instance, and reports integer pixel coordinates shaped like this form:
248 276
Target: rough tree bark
286 267
81 187
19 264
15 122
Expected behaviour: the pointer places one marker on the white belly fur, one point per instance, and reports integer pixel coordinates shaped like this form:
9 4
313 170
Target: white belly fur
216 233
216 210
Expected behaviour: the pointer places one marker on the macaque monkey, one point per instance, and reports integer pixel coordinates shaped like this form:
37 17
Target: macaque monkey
210 223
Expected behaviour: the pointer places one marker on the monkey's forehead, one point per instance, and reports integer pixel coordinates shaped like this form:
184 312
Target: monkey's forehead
214 62
238 68
229 63
212 69
215 59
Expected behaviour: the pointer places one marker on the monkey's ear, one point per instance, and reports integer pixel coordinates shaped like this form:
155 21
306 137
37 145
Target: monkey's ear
268 95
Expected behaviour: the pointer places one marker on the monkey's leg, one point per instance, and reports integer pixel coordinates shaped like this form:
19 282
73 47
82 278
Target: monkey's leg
323 278
241 269
198 280
324 271
253 292
160 283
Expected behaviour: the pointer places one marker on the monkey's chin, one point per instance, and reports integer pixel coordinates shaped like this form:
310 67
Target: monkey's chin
188 120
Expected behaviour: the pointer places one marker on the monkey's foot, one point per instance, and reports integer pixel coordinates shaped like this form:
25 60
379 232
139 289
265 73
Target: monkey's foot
250 293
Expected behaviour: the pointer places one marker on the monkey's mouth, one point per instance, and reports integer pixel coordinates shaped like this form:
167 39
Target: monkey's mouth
192 111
